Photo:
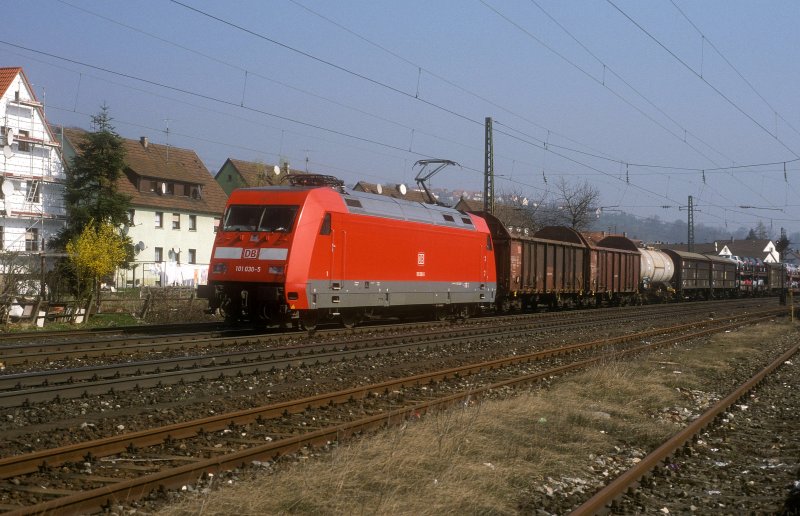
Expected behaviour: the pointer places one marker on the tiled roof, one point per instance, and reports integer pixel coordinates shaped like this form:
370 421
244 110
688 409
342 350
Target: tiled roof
7 76
469 205
256 174
168 164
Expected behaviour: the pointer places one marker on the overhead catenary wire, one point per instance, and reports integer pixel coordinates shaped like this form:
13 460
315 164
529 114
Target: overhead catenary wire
237 103
703 79
729 63
340 133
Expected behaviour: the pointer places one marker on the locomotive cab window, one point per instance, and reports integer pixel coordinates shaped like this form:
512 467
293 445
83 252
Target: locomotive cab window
271 219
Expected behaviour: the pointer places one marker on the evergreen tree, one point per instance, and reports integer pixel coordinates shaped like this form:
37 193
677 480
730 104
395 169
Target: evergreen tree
91 185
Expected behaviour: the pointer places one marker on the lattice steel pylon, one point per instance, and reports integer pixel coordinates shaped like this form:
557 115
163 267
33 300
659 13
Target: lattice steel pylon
691 225
488 170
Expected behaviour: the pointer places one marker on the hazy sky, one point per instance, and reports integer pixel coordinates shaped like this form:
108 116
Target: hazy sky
649 101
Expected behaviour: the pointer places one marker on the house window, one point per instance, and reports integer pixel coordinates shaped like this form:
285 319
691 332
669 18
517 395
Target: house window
192 222
187 190
159 254
131 213
170 188
153 186
176 221
23 146
159 219
32 239
192 255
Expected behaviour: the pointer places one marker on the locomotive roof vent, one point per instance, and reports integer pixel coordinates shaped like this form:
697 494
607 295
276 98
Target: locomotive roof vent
315 180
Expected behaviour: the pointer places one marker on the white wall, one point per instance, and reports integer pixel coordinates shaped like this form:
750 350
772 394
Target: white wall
39 162
169 239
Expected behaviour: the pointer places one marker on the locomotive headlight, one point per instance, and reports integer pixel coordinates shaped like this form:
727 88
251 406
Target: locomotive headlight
276 269
220 268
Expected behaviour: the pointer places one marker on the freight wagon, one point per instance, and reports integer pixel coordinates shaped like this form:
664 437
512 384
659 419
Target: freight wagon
558 266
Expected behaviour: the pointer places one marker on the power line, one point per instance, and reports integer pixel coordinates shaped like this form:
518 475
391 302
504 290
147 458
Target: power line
741 76
230 103
595 79
409 95
699 76
606 67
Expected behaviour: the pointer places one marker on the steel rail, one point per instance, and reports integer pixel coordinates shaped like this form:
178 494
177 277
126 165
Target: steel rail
94 373
77 332
23 353
598 503
126 490
117 383
31 462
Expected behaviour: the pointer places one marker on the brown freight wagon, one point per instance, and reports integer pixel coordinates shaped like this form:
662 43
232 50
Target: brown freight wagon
559 266
698 276
616 269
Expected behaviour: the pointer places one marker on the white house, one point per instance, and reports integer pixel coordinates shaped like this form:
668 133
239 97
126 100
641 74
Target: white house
32 189
175 207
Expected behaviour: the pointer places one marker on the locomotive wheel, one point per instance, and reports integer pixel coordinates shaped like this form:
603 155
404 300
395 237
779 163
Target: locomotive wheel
308 320
440 313
349 318
231 312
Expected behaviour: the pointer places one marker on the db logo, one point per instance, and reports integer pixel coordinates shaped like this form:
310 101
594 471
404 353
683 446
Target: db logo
250 253
420 258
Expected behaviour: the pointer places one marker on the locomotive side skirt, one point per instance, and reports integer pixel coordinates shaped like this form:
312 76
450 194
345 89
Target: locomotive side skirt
366 293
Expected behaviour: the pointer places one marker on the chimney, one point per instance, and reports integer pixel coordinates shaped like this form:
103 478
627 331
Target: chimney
143 141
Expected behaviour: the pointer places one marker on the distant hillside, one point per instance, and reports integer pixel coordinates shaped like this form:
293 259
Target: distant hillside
653 229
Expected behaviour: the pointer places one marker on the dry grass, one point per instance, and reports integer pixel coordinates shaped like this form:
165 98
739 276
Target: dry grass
483 458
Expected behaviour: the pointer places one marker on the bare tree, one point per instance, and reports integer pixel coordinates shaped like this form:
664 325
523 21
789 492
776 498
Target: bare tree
517 210
576 204
17 279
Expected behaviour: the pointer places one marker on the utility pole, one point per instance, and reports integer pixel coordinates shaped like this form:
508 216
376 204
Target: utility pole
691 225
488 170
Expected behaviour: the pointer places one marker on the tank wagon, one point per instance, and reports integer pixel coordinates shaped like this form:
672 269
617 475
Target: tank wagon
313 250
559 266
680 275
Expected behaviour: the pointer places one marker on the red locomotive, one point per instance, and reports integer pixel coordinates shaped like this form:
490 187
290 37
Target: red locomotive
314 250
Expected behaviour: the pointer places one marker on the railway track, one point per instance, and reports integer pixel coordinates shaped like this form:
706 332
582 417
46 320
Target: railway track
164 340
82 333
64 383
612 497
268 432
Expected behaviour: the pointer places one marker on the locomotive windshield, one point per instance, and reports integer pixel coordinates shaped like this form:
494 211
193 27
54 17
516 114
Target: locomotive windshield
249 217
